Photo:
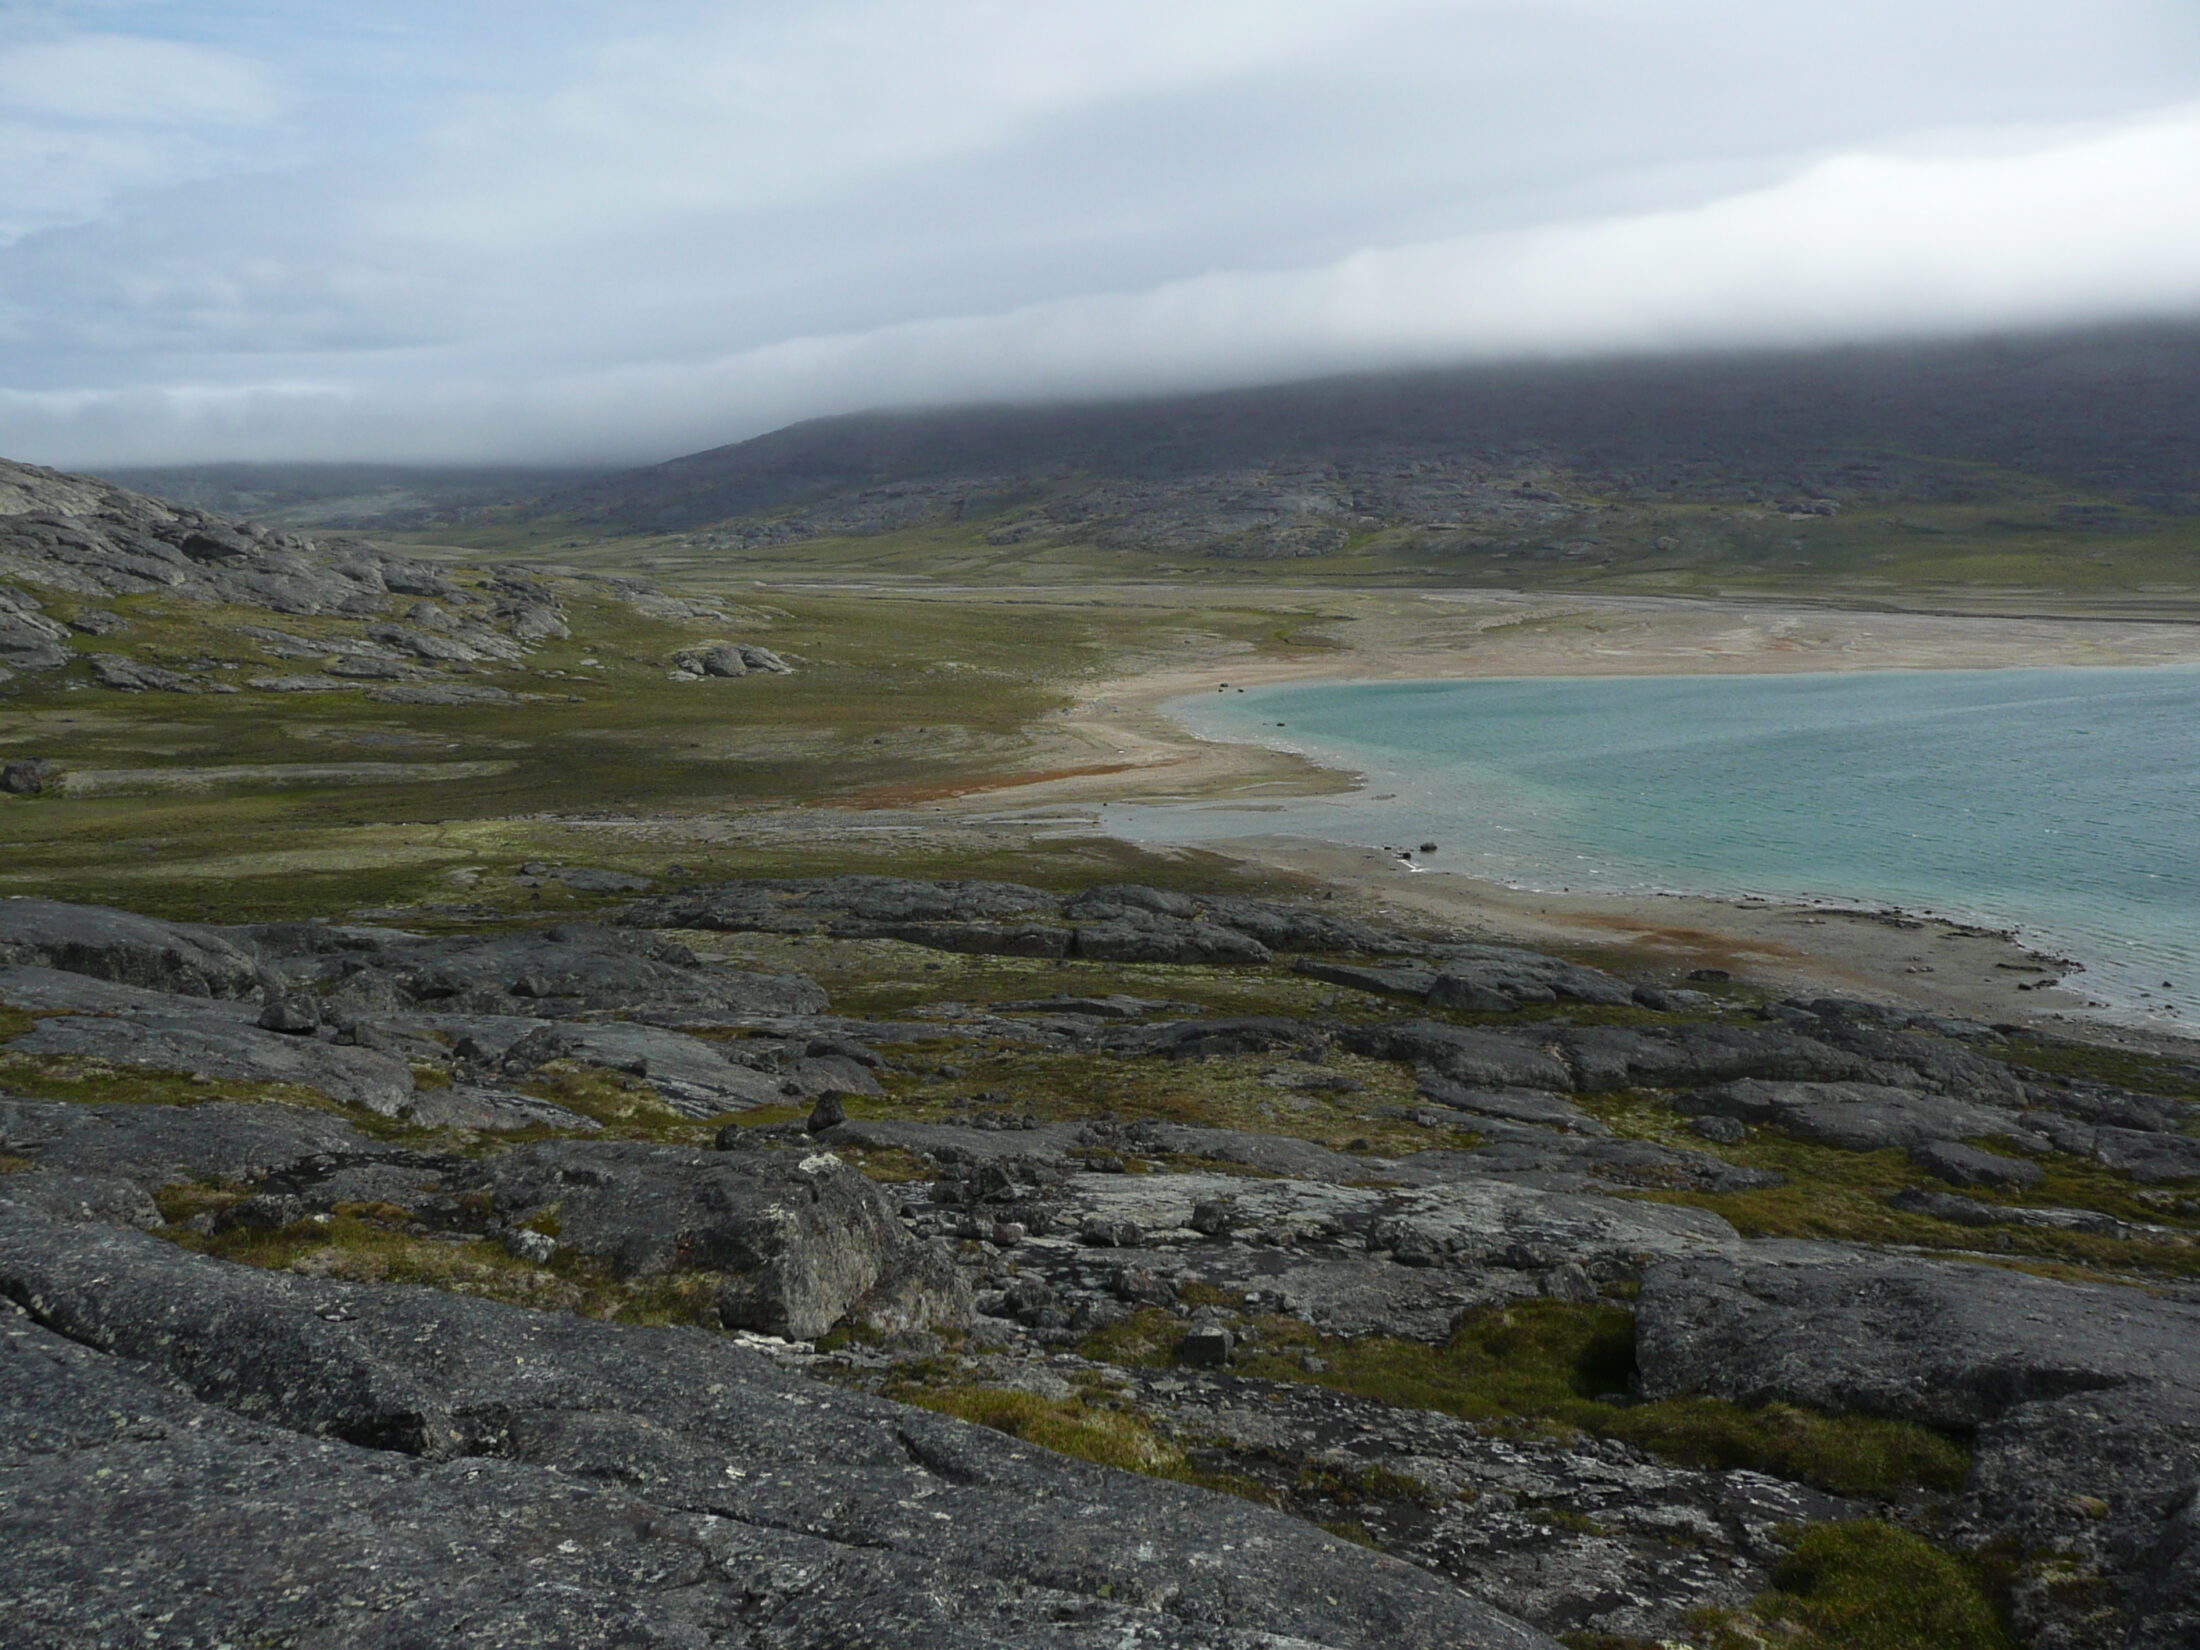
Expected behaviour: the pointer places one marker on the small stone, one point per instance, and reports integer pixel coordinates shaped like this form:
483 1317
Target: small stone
828 1113
1102 1233
292 1013
1213 1216
1208 1348
1725 1130
535 1248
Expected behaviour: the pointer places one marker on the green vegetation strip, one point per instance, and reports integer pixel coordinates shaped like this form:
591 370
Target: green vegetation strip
1556 1369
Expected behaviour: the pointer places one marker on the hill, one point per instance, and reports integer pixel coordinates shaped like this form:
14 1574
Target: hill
2067 461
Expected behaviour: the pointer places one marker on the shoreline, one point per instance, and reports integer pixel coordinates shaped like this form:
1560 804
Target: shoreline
1928 963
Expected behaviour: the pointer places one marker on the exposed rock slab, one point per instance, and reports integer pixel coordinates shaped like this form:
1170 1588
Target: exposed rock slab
659 1426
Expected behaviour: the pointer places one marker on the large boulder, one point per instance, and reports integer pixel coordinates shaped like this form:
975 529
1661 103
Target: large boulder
802 1239
185 958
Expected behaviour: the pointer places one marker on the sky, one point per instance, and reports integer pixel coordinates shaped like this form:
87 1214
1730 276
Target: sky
618 230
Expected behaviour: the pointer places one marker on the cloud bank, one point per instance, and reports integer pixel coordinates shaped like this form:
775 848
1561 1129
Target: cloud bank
656 227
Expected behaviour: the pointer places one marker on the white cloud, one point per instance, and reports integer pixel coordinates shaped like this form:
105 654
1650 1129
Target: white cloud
138 81
1855 247
458 228
89 118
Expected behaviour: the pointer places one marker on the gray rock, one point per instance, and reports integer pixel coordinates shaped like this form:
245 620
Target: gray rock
1857 1117
1385 982
1497 979
155 1146
1962 1165
443 693
489 1111
225 1051
1969 1211
1518 1105
2143 1154
583 879
538 1478
558 973
802 1240
109 1199
1471 1057
116 945
1208 1348
112 670
29 777
2083 1401
687 1074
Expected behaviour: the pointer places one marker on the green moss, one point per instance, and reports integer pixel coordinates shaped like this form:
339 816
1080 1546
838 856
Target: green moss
2094 1062
1555 1368
372 1243
1865 1586
93 1082
1075 1426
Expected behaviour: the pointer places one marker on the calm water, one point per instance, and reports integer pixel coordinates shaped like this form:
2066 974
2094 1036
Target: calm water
2065 803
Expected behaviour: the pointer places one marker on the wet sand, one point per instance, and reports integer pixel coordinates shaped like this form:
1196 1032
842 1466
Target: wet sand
1131 750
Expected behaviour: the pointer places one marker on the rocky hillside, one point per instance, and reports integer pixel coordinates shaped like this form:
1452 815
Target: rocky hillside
610 1283
118 590
2079 438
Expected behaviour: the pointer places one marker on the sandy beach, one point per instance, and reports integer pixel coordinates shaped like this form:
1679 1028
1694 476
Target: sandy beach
1118 744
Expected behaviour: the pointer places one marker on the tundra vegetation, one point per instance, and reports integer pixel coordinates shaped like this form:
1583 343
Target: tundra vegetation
512 1105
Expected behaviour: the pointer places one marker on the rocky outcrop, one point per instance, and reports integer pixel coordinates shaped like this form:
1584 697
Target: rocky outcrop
184 958
78 541
677 1487
2082 1401
1117 923
801 1239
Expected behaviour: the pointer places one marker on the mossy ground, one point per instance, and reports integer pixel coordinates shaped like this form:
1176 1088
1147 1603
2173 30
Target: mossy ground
1557 1369
381 1243
1864 1585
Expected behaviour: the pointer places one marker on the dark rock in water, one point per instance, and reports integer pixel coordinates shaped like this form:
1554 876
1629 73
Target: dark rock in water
118 945
455 1471
1962 1165
802 1240
2083 1401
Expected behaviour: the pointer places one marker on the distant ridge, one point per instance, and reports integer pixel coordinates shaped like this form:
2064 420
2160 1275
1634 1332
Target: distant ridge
1303 468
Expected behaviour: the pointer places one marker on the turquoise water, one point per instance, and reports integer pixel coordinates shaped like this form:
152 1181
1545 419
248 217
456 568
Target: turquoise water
2064 803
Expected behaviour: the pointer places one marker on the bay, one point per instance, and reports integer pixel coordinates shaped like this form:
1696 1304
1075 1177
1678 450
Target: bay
2064 803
